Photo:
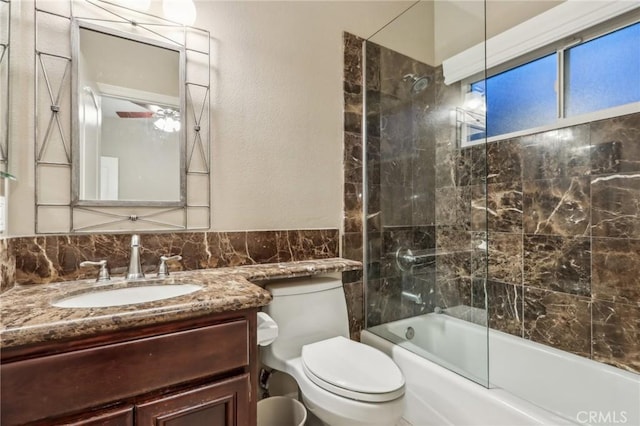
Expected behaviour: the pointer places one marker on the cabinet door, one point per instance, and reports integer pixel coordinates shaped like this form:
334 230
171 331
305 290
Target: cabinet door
118 417
224 403
92 377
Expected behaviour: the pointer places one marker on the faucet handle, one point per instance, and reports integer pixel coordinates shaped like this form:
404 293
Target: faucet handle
103 275
163 271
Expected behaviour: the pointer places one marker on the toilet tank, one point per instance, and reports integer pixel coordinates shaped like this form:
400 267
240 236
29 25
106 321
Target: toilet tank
307 310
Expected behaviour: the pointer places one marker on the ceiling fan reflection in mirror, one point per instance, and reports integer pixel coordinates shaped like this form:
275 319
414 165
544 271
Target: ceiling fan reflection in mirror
165 118
168 120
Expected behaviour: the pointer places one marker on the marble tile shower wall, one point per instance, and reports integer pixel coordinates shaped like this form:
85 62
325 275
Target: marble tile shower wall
352 165
400 172
563 213
561 208
460 258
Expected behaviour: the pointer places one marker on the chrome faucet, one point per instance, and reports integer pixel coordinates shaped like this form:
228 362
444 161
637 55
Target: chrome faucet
163 269
103 275
135 267
414 297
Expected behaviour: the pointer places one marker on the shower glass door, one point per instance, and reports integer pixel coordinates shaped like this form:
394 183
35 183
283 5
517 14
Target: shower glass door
425 195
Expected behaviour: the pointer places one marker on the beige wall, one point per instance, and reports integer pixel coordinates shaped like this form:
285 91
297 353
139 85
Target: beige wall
277 108
411 33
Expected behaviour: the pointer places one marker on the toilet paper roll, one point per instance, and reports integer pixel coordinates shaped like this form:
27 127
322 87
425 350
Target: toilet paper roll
267 329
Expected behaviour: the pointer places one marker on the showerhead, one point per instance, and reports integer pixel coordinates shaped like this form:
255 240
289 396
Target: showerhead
418 83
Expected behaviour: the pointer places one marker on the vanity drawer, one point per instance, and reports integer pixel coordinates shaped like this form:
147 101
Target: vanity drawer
69 382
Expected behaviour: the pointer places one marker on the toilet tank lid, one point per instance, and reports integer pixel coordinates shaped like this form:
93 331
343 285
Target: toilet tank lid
302 285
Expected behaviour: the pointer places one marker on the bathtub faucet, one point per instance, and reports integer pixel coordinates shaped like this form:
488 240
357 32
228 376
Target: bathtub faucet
414 297
406 259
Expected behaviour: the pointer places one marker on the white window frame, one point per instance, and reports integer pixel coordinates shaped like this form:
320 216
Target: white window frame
559 48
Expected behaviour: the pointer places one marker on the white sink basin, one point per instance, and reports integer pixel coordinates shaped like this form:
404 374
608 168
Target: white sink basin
126 296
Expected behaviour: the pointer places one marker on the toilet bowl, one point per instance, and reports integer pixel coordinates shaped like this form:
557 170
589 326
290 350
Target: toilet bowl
342 382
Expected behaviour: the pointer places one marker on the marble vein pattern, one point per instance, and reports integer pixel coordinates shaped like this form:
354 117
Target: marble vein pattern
500 209
452 238
454 265
400 155
557 153
616 270
452 292
616 335
352 207
615 145
46 259
29 318
445 167
616 205
383 300
453 206
7 266
352 157
558 263
354 293
505 308
560 210
505 258
557 206
504 163
559 320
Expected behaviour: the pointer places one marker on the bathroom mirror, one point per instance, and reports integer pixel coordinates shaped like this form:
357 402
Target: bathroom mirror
4 84
122 120
128 119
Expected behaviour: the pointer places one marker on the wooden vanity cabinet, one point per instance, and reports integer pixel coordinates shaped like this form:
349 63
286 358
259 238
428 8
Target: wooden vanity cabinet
220 404
224 403
191 373
115 417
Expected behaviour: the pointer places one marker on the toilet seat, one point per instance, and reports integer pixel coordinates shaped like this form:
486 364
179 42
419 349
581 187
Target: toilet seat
352 370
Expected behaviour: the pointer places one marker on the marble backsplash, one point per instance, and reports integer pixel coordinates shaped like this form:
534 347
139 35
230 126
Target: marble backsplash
7 266
45 259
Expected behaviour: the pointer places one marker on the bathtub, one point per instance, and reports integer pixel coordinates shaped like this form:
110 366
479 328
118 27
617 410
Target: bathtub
529 383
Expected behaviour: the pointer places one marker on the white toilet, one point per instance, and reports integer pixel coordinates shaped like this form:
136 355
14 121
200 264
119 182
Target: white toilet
342 382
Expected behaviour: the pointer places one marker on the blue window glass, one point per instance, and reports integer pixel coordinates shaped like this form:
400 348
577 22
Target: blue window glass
521 98
604 72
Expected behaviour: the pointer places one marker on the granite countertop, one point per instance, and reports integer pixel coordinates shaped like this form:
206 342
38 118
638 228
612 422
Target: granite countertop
28 318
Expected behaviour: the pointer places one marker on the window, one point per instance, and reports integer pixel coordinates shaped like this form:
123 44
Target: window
604 72
521 98
595 75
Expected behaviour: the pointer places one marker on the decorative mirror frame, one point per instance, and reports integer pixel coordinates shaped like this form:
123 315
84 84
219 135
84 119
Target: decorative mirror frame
5 86
55 209
78 24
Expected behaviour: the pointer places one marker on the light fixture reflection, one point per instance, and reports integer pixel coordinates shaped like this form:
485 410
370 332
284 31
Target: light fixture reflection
168 121
182 11
474 101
